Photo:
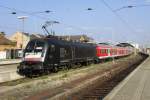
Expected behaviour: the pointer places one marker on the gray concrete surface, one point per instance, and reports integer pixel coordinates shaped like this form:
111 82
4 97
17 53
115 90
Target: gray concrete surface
10 61
8 72
135 87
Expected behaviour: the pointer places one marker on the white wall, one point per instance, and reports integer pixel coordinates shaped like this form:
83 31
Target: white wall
2 54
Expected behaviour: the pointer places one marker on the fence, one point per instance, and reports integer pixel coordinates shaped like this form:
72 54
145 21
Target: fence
3 54
11 54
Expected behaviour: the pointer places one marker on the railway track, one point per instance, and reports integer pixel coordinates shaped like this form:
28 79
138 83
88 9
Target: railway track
99 91
94 87
78 88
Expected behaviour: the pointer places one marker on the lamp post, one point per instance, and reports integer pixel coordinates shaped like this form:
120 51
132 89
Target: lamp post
22 18
25 17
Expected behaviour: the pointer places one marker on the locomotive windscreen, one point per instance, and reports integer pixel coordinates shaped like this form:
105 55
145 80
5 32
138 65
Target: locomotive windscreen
34 51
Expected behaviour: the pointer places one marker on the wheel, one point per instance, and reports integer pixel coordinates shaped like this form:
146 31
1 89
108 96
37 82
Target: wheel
55 69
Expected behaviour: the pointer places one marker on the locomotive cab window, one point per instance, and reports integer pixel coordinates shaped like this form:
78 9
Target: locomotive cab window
39 47
34 48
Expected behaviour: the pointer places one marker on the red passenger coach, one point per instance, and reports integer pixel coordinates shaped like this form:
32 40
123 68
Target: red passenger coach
103 51
107 51
113 52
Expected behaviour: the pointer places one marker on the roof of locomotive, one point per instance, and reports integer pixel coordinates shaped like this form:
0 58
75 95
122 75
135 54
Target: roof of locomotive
56 41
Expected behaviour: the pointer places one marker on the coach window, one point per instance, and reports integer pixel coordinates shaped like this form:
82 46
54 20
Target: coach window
114 51
102 51
110 51
97 51
107 51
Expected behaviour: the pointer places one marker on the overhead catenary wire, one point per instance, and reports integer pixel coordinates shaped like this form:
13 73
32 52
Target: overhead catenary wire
119 17
43 18
130 6
24 12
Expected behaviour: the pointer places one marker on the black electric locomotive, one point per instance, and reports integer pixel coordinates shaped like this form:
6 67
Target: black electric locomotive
49 54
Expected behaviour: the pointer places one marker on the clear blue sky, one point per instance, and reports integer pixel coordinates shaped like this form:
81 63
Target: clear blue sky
100 23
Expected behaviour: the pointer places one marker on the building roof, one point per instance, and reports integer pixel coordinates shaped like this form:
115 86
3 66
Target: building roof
32 36
35 36
125 45
27 34
105 43
5 41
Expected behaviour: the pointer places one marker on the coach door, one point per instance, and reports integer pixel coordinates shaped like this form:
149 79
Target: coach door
108 51
72 53
51 54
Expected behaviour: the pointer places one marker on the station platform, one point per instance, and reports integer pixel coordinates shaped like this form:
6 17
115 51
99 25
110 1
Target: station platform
9 61
134 87
8 70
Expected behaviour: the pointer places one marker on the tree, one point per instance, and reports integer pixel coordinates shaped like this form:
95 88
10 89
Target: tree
2 33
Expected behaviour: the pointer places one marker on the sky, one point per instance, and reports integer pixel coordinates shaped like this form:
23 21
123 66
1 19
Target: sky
104 23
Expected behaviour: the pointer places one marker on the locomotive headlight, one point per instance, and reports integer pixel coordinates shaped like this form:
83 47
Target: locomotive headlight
23 66
55 64
23 59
